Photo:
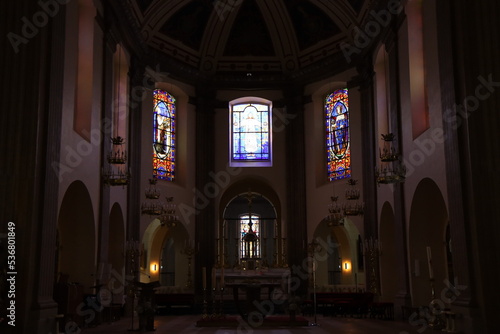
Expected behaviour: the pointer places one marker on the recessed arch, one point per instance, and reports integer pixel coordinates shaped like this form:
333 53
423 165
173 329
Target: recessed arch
427 228
116 238
388 259
77 238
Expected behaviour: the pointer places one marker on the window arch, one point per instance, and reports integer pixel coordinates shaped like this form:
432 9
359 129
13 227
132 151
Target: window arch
250 133
163 135
337 135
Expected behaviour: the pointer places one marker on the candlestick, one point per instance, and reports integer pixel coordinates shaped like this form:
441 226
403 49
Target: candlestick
429 261
214 283
204 277
222 283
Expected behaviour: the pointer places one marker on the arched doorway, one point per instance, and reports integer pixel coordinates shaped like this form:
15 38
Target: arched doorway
338 267
427 241
238 214
76 232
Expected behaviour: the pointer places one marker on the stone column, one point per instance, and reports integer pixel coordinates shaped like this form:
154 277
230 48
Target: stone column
296 223
205 222
403 297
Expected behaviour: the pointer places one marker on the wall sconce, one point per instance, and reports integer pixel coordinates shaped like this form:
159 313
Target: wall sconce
347 266
154 267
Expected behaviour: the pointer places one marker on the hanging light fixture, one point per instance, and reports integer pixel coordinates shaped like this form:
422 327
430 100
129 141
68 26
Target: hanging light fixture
392 169
352 207
335 216
168 217
116 173
152 207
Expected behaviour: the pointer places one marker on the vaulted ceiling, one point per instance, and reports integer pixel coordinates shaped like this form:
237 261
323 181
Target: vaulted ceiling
270 38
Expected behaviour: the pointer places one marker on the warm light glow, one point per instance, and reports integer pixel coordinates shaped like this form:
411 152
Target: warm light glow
154 267
347 266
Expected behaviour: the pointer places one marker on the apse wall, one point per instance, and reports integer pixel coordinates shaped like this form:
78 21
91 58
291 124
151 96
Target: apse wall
274 176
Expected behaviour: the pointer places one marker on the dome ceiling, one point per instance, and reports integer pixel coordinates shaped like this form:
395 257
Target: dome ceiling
249 36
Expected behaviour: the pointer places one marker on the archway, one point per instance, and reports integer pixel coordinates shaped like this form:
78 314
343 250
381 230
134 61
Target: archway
427 236
337 260
77 245
157 240
267 206
388 260
116 249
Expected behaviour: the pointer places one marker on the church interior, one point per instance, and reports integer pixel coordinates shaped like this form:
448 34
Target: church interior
250 159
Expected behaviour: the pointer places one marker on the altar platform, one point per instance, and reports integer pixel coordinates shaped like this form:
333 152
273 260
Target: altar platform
259 322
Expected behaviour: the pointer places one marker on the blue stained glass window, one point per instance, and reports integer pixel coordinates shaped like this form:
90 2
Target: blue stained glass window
337 135
251 127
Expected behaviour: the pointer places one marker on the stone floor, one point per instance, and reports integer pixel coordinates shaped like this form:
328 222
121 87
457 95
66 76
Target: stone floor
186 324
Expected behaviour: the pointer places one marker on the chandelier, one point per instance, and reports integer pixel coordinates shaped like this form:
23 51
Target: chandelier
154 207
391 170
352 207
168 217
335 216
117 156
116 173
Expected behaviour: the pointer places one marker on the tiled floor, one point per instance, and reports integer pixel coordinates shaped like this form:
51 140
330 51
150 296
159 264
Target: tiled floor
186 324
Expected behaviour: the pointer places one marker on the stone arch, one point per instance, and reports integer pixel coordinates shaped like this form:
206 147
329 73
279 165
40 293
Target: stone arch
427 228
77 238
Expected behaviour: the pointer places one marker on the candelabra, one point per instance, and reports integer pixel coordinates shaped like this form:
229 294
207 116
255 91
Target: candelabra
116 174
314 247
391 169
224 247
214 302
372 253
284 263
264 264
189 252
204 312
352 208
221 303
275 254
335 217
236 255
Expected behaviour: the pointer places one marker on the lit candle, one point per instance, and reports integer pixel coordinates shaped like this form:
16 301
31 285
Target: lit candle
429 261
204 277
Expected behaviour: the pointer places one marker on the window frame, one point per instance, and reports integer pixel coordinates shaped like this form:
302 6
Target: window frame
249 100
169 174
332 176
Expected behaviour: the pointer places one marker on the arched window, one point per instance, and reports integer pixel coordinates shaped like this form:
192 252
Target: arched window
250 134
163 135
244 229
337 135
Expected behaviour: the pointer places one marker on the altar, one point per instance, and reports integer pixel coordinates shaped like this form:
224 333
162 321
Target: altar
251 288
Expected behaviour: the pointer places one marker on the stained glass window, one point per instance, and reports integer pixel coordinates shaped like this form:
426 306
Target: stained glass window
163 135
244 228
337 135
250 133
